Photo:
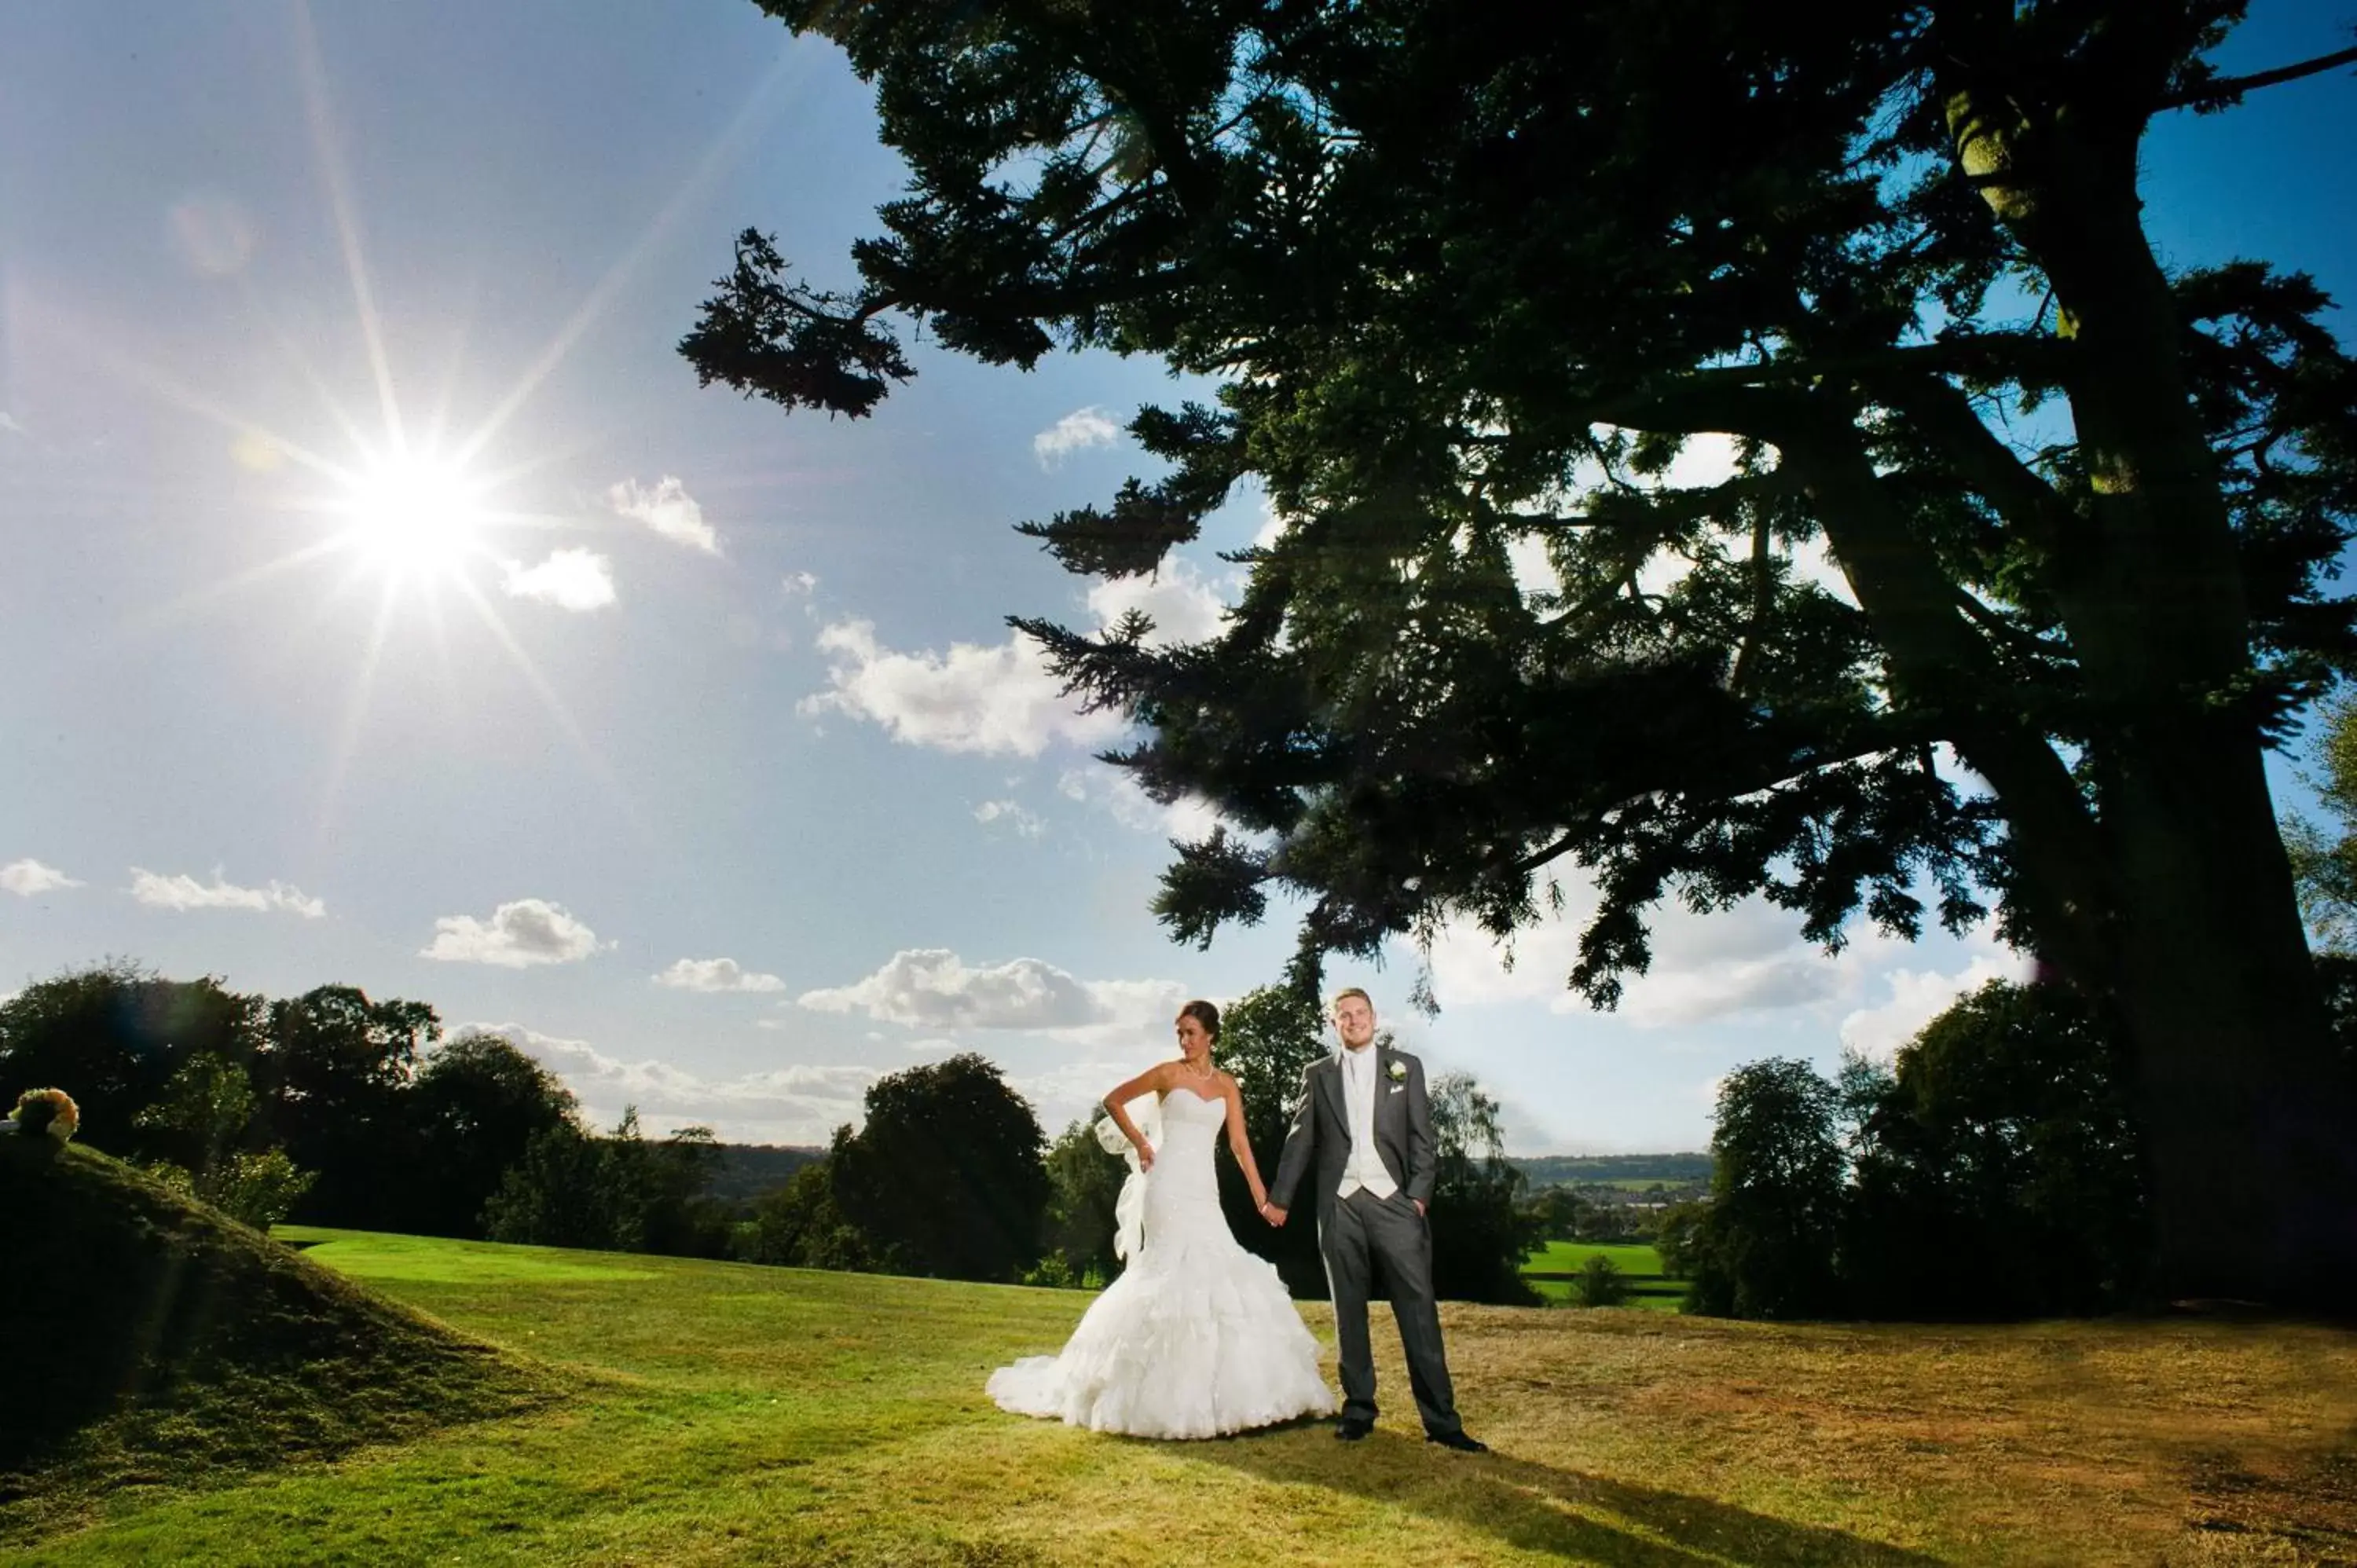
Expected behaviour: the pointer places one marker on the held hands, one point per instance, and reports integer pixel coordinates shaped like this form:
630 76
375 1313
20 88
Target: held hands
1272 1213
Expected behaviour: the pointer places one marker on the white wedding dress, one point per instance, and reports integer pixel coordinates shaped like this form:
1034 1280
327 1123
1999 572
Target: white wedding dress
1197 1338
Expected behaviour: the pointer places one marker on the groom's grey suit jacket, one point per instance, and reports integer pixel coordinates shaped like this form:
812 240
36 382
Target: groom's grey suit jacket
1319 1144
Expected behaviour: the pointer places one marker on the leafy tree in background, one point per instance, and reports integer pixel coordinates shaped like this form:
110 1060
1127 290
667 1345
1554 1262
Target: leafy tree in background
472 1111
115 1035
945 1176
333 1073
615 1193
1601 1282
1999 1169
798 1226
206 1114
1085 1181
1469 276
1266 1037
1765 1246
1480 1232
2324 864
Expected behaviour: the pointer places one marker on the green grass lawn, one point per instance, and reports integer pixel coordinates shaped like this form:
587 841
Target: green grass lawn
727 1413
1640 1264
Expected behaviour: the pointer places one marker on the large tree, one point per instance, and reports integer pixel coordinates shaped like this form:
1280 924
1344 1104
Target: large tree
1469 276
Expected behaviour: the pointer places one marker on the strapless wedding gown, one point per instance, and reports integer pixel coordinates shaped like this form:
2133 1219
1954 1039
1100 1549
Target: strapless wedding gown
1197 1338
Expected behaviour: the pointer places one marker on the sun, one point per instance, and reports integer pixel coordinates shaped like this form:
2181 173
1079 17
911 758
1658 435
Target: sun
414 516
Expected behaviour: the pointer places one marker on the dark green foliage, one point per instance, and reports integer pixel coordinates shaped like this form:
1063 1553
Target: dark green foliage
1994 1171
112 1036
333 1073
1471 277
207 1108
473 1110
1480 1233
1677 1237
799 1226
1559 1214
1765 1247
617 1193
1601 1282
1999 1169
2324 862
1084 1182
945 1176
148 1333
1267 1038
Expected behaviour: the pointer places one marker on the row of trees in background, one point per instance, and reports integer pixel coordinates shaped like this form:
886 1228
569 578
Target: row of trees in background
951 1174
1996 1170
334 1108
331 1108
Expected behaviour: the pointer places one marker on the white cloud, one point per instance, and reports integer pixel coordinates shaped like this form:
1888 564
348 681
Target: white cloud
1271 528
519 935
712 974
998 700
932 988
1918 996
572 579
1027 823
667 508
799 1104
799 585
28 876
1082 428
8 422
1183 606
185 891
1116 790
1743 963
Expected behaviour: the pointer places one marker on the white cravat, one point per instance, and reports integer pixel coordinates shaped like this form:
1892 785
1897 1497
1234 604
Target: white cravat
1365 1166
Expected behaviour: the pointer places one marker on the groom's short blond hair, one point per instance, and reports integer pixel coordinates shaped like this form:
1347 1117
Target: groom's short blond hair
1345 994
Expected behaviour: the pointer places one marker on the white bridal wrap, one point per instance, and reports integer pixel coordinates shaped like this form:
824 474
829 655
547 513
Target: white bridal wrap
1129 1208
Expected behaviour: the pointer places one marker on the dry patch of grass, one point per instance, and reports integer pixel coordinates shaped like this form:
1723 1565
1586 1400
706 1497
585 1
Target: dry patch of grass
734 1415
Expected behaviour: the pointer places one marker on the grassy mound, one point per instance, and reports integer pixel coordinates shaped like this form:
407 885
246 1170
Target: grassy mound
151 1340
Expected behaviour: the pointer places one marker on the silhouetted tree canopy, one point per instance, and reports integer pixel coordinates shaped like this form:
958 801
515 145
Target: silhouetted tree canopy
473 1109
945 1176
1471 277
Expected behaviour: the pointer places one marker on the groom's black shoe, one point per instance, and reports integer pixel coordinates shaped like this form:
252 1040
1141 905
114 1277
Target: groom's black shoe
1457 1440
1351 1428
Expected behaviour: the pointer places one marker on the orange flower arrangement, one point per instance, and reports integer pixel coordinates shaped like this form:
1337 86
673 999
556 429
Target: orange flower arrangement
50 1111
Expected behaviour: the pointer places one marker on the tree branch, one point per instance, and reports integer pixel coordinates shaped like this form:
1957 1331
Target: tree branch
2226 90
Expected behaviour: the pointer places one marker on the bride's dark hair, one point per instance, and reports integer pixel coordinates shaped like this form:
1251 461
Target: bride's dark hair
1203 1012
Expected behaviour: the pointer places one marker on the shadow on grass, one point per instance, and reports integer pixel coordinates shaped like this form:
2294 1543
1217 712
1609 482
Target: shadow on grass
1538 1508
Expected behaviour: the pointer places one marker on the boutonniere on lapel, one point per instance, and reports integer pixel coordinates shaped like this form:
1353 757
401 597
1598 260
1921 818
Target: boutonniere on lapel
1398 1070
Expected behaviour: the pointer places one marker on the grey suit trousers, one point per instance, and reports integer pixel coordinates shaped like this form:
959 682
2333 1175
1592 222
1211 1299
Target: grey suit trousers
1357 1235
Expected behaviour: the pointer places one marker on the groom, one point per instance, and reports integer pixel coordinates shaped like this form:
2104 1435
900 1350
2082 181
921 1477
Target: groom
1363 1126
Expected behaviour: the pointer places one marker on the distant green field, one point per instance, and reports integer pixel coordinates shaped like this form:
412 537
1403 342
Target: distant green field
1641 1265
729 1414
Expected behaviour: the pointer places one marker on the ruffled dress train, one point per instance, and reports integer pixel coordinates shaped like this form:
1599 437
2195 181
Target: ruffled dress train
1196 1338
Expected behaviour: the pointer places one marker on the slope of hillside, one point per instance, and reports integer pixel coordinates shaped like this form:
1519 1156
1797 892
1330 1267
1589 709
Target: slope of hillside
737 1415
150 1339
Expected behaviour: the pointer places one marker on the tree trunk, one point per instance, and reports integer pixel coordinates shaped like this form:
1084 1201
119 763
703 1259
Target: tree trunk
2251 1127
2250 1123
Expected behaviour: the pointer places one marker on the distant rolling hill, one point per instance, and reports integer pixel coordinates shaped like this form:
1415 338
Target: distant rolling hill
748 1170
1572 1170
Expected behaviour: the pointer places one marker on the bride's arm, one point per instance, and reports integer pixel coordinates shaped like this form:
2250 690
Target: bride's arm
1154 1079
1240 1146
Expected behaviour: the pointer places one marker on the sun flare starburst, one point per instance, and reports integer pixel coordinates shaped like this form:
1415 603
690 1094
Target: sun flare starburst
414 515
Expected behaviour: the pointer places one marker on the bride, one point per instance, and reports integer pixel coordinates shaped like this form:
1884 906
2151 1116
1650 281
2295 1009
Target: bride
1197 1338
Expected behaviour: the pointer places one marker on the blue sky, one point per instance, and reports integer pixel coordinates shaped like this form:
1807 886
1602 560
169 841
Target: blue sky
704 766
